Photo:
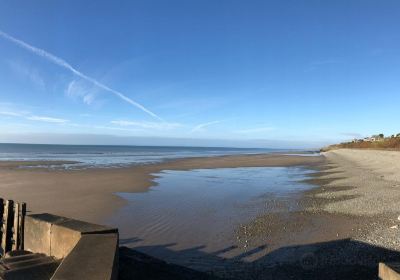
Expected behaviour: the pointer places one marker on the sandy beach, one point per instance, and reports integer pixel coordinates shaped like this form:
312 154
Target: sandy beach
88 194
366 183
347 223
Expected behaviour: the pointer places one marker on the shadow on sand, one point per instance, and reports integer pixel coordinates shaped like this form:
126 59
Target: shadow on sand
339 259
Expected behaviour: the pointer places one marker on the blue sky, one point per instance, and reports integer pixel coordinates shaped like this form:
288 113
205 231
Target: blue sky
254 72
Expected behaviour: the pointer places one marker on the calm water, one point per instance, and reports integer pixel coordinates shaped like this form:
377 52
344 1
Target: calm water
107 156
199 210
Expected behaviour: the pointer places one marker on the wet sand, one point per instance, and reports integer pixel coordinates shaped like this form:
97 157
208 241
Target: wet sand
343 228
89 194
18 164
202 209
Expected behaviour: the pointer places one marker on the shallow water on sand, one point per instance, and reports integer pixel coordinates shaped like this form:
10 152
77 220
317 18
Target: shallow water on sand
190 215
89 156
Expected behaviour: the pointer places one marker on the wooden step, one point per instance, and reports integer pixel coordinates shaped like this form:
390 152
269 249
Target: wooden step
27 266
29 262
22 258
42 271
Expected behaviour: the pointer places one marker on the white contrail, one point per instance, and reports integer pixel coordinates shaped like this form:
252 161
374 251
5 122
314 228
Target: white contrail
56 60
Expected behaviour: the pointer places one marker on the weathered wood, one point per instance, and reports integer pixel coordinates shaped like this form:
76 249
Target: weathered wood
8 219
10 222
4 227
12 218
2 221
389 271
21 225
15 239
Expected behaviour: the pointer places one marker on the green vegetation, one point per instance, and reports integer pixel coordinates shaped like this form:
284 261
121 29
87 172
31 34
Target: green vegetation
375 142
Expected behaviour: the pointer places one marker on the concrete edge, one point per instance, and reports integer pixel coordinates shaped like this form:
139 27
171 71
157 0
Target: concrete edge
86 249
95 256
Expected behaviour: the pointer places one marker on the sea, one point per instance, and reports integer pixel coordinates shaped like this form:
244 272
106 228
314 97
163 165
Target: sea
89 156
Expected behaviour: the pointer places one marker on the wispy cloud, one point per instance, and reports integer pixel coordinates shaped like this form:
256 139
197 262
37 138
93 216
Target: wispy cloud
60 62
29 72
326 62
85 126
204 125
46 119
254 130
86 115
76 89
11 114
147 125
314 65
128 129
29 116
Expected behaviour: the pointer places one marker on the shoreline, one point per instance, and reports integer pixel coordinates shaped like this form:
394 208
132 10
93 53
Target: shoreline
34 164
83 193
347 224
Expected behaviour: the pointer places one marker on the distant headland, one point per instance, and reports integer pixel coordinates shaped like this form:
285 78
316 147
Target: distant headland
378 141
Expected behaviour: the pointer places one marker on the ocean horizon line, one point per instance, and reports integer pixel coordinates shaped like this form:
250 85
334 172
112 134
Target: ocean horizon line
156 146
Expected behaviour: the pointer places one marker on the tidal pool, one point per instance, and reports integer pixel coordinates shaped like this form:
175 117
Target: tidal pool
189 215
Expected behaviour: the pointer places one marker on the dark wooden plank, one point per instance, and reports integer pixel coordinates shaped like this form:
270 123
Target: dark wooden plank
21 225
2 221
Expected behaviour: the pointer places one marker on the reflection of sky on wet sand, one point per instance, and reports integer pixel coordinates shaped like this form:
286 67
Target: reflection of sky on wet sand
203 207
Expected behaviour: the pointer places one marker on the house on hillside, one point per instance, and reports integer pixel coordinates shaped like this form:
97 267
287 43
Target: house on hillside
379 137
375 138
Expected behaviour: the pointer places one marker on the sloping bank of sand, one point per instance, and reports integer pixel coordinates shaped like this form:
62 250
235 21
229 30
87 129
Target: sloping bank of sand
88 194
365 183
344 227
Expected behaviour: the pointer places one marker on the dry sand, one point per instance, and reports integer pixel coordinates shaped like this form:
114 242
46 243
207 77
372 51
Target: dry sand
366 183
374 177
88 194
345 227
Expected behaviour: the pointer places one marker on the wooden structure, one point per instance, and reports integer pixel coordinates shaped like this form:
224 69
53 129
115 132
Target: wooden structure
12 225
389 271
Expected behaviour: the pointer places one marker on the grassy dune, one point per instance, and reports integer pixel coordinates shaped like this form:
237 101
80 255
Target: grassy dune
392 143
